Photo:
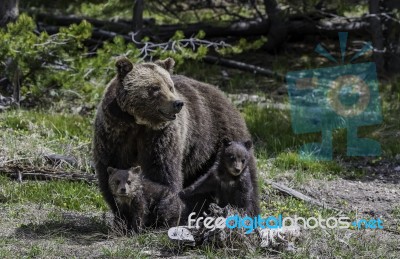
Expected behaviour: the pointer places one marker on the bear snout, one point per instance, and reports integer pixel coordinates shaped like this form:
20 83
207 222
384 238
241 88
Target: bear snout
178 105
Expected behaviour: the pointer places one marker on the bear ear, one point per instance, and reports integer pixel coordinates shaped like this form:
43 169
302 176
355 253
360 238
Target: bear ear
226 141
168 64
248 144
136 169
124 66
111 170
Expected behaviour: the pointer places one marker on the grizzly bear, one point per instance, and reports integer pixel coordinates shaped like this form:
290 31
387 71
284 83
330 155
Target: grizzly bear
169 125
148 203
229 179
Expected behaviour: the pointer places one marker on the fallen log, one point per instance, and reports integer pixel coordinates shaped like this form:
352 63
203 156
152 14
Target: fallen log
57 159
296 28
21 173
327 28
298 195
97 34
118 26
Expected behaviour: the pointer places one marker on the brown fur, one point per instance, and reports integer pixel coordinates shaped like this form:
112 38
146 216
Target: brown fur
229 179
148 203
174 151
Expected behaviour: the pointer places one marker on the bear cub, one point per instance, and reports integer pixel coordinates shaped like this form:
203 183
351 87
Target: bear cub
147 203
229 179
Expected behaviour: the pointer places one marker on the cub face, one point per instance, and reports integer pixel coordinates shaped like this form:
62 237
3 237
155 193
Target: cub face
235 156
147 92
124 184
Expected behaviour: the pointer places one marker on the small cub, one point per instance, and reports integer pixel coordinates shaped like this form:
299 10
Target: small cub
229 179
142 200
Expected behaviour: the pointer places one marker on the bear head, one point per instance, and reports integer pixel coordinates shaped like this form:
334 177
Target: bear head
235 156
147 92
124 184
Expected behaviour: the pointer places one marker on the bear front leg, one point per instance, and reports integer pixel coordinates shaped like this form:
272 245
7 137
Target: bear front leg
171 210
162 162
254 208
206 184
138 214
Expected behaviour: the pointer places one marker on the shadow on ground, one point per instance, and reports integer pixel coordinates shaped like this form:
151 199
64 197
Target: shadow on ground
75 228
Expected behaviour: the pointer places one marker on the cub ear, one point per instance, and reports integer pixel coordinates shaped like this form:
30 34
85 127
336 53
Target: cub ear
124 66
111 170
226 142
248 144
168 64
136 169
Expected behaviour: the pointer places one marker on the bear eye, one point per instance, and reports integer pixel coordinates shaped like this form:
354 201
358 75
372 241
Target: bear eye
155 89
232 158
118 182
243 161
171 89
128 182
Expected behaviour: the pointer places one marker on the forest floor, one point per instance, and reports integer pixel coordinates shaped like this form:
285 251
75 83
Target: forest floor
63 219
44 230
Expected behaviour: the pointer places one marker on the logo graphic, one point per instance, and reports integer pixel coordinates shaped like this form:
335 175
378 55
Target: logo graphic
343 96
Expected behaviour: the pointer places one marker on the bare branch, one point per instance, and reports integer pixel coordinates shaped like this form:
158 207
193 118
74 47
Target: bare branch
147 48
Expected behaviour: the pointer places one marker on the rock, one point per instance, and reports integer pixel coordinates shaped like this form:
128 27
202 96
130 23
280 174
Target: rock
181 235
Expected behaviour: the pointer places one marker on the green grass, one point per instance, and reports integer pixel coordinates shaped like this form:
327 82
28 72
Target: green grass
58 126
272 130
77 196
396 215
237 81
308 167
396 212
277 204
28 135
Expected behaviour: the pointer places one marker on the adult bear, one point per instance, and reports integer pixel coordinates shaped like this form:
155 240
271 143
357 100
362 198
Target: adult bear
171 126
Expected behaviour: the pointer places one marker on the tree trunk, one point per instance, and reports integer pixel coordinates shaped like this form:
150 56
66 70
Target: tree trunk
137 19
377 35
392 39
8 11
278 28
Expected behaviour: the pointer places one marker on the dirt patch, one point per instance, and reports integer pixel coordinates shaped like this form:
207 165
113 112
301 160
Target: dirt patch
367 199
374 195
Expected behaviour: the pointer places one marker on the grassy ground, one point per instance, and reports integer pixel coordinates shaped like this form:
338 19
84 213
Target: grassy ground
57 219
